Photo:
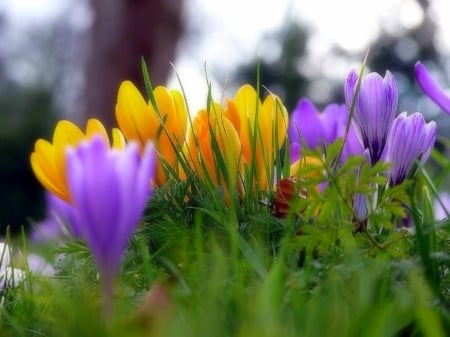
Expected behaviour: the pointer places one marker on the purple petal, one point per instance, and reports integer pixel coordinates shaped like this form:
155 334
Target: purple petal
350 87
305 126
410 137
429 141
375 110
431 88
109 189
94 188
352 146
334 121
295 150
61 218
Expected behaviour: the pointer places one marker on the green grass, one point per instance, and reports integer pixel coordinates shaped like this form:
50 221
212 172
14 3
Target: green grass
243 272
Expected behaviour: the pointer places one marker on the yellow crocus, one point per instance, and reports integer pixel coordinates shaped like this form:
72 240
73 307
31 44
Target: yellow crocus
48 160
309 172
308 167
262 129
165 126
213 148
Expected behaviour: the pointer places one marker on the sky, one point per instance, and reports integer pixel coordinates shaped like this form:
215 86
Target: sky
238 25
224 33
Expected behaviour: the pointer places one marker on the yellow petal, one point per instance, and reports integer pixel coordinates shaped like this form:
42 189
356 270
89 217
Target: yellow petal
311 166
246 101
118 140
182 116
67 133
232 113
164 103
45 170
132 114
95 127
169 135
248 106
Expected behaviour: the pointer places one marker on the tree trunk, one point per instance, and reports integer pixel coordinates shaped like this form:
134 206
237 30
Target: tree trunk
123 31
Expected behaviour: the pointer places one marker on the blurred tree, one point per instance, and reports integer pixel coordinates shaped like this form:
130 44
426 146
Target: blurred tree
396 50
26 114
282 74
123 31
40 68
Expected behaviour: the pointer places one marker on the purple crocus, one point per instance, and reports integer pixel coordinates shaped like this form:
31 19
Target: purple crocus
431 88
109 190
308 126
305 127
61 219
375 109
410 138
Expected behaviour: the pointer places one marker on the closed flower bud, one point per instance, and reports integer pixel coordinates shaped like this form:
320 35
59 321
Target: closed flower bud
375 108
410 138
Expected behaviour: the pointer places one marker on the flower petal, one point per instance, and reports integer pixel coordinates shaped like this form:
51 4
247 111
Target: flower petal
431 88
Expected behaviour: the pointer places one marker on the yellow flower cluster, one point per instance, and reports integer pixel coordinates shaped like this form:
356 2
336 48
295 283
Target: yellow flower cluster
223 144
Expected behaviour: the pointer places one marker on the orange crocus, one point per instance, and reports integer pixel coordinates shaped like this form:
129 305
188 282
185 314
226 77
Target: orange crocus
262 129
213 148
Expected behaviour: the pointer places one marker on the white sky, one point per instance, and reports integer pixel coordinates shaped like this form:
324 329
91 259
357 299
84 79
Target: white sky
230 31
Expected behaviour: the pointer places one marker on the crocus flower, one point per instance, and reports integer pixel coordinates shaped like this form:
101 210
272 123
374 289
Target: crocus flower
431 88
375 109
48 160
410 138
165 126
262 129
306 126
313 128
212 142
309 168
61 219
109 190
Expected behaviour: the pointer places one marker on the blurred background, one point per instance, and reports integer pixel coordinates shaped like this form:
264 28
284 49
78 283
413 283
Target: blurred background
66 59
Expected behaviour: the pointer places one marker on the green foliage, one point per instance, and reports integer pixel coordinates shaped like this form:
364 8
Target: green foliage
243 272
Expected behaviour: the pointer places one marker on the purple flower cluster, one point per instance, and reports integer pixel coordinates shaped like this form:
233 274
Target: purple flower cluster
402 139
375 128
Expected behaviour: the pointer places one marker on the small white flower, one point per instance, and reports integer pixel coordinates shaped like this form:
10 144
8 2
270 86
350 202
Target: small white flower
9 277
39 266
